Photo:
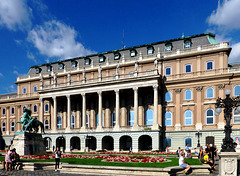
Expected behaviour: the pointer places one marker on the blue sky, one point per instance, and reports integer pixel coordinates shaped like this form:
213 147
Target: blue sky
34 32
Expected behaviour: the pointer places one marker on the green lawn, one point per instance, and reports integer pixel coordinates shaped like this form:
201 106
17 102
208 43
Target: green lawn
78 161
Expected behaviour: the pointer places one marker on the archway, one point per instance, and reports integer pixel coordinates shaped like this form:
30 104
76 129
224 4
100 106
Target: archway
91 142
107 143
125 143
145 143
75 143
47 143
61 143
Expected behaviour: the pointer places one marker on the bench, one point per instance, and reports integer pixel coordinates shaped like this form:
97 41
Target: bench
196 169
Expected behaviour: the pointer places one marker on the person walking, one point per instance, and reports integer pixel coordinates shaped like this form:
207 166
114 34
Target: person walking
57 158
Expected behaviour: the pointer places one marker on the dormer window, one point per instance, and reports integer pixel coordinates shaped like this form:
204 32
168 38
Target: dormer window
150 50
101 58
49 68
133 53
74 64
168 47
87 61
117 56
38 70
61 66
187 44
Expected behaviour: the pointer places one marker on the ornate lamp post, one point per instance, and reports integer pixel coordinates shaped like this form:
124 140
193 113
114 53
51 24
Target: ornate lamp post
198 134
228 104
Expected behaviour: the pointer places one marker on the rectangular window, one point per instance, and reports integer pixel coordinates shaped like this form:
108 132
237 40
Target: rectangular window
168 71
188 68
209 65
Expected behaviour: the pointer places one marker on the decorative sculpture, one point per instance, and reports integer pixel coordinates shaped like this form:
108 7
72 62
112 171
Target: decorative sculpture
29 123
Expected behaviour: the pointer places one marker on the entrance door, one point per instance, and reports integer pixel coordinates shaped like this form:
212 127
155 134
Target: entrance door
210 140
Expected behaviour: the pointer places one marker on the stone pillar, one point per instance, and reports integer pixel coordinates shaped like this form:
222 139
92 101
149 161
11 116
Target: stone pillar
228 163
99 143
116 144
68 112
221 122
8 120
155 117
54 114
199 108
99 128
83 111
42 110
117 109
135 89
178 109
18 117
134 144
123 114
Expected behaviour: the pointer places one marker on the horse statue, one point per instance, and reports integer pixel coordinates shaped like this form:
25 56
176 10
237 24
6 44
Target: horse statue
29 123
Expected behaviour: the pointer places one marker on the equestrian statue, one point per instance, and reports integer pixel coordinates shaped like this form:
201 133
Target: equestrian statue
29 123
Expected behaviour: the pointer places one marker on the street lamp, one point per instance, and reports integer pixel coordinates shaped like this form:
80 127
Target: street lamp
198 134
228 104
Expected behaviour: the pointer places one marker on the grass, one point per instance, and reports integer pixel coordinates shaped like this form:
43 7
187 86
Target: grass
99 162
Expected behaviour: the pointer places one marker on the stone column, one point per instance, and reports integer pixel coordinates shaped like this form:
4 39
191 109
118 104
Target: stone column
42 110
135 89
54 114
68 112
221 122
199 108
117 109
155 117
99 143
83 111
99 128
116 145
178 109
18 117
8 120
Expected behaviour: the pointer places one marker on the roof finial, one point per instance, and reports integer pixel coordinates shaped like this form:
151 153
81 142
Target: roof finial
182 35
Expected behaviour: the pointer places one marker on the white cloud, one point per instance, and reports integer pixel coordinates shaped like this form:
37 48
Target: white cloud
1 75
235 53
18 74
11 88
15 14
55 39
227 15
31 57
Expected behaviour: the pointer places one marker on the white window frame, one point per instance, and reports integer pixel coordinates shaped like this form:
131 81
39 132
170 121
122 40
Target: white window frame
210 117
4 109
59 125
207 92
185 95
150 50
46 125
186 118
236 116
4 127
133 53
186 68
45 107
170 71
234 90
207 65
12 126
169 118
131 74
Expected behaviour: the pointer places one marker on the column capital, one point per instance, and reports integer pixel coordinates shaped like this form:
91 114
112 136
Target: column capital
221 86
99 93
155 86
199 88
54 97
83 94
178 90
135 89
68 96
116 91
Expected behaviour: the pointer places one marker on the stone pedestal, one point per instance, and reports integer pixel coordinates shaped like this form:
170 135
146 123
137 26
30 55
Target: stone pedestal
28 143
228 163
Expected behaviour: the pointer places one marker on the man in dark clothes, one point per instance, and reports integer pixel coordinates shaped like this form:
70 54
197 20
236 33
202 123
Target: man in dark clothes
212 149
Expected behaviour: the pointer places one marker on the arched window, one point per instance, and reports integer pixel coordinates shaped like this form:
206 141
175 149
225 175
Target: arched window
12 126
209 92
3 126
168 96
237 90
188 94
188 117
168 142
46 124
23 108
149 117
209 117
35 89
35 109
3 111
113 119
236 117
131 118
72 121
87 120
188 141
46 108
59 122
24 90
168 118
12 110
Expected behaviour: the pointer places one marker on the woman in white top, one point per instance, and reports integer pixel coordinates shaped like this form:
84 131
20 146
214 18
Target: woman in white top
182 164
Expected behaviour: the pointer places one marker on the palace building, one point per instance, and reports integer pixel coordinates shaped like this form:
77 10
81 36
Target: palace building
140 98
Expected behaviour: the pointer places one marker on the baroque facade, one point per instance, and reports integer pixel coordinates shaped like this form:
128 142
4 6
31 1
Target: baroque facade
139 98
